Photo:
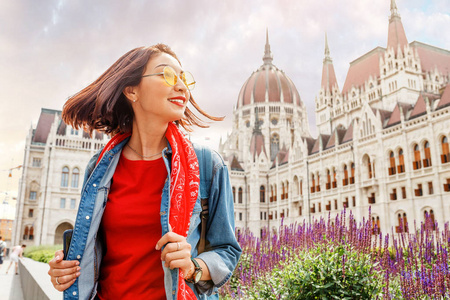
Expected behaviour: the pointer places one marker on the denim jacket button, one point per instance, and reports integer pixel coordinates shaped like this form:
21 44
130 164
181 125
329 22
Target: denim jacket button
87 217
78 256
173 292
94 185
162 213
74 293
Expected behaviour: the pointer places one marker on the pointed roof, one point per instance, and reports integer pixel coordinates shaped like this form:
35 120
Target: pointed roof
44 125
445 98
332 141
235 165
395 116
384 116
340 132
316 146
309 144
282 156
328 75
362 68
396 33
420 108
348 134
432 57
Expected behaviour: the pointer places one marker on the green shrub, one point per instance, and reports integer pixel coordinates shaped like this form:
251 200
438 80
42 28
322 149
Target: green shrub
43 253
324 272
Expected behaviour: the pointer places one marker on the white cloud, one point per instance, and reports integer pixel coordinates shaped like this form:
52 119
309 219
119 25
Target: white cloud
50 51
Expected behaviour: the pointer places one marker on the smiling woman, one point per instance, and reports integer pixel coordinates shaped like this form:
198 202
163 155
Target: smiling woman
141 204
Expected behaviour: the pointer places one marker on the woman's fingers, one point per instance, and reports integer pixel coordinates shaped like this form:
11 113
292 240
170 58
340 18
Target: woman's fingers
182 247
63 272
65 264
170 237
169 258
62 287
66 278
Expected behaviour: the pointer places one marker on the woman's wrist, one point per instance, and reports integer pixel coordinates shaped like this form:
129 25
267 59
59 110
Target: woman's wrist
190 271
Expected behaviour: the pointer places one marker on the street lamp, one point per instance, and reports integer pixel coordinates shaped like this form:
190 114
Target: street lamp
10 170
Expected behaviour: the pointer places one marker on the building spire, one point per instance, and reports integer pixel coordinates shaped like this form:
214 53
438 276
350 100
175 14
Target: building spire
396 35
394 12
327 50
268 57
328 75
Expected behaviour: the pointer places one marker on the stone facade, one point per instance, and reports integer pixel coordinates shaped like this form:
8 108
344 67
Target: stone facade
53 171
383 142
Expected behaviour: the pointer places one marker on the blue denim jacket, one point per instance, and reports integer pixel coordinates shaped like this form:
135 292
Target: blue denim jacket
221 260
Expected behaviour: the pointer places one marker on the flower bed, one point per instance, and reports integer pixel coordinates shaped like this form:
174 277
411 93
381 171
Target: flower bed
340 259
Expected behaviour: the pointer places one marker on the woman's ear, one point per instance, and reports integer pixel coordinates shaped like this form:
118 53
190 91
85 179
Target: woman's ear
131 93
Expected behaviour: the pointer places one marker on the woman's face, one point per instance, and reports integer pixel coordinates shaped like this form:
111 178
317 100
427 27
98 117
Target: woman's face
157 101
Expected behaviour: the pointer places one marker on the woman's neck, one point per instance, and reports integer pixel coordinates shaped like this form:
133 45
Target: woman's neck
147 140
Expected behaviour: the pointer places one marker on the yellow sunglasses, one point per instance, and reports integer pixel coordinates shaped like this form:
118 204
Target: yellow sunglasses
171 77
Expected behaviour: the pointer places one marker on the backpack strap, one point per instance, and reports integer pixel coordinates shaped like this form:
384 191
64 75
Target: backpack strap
204 157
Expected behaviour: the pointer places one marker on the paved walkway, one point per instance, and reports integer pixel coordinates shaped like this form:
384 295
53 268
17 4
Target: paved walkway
10 286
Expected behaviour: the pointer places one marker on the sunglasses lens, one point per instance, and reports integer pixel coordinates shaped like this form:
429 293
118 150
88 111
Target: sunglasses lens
188 80
170 76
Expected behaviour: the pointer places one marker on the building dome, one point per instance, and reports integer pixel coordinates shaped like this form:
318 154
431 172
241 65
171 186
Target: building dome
268 81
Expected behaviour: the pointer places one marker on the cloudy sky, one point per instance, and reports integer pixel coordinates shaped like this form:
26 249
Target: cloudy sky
49 50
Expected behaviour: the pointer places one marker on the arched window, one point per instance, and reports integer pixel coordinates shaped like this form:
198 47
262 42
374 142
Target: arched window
313 186
31 233
445 157
352 173
234 194
318 183
65 177
274 146
301 186
75 177
240 195
392 169
402 223
345 180
275 193
334 184
271 193
401 162
262 194
328 184
429 220
427 160
283 191
375 225
369 167
286 195
416 163
25 233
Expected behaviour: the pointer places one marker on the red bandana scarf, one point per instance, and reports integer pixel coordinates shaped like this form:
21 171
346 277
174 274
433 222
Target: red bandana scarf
184 187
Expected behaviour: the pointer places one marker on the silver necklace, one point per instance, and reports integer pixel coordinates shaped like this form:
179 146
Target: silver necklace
143 156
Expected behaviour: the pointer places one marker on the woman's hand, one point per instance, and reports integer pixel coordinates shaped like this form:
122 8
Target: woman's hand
177 253
63 273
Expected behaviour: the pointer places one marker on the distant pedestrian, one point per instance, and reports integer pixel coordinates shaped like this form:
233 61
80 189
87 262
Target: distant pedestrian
2 250
16 252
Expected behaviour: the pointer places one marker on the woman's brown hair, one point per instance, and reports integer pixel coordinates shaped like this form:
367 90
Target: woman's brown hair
103 106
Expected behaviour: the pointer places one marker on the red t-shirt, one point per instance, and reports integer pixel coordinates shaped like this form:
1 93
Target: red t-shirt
130 228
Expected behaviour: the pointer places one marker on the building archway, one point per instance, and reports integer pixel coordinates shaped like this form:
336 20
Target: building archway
59 232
